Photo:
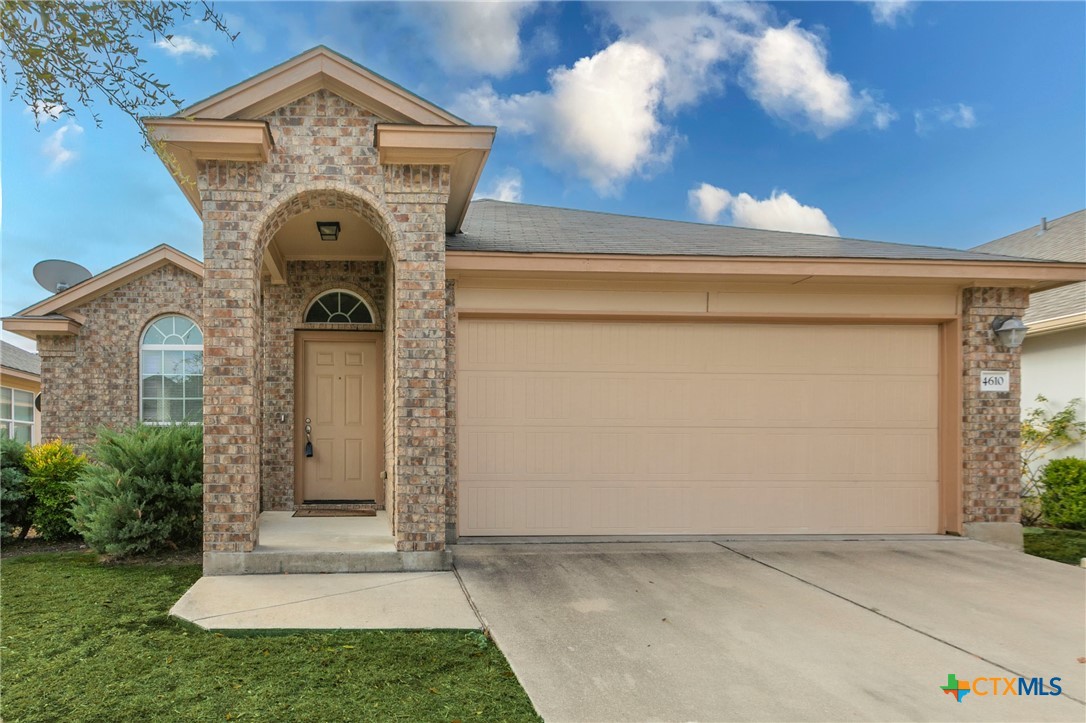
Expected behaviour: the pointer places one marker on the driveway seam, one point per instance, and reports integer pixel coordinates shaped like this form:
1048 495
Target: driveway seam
471 603
884 616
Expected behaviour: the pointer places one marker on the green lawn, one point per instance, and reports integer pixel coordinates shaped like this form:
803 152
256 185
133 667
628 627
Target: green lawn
84 642
1060 545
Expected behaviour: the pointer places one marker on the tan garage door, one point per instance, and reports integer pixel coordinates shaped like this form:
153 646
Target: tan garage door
605 428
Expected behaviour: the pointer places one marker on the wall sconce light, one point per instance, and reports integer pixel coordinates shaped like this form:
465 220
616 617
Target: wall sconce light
329 230
1010 331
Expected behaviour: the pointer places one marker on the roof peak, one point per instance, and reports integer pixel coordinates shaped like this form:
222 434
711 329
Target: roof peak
318 68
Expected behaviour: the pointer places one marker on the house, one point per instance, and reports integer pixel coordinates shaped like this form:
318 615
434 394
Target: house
360 332
1054 353
20 384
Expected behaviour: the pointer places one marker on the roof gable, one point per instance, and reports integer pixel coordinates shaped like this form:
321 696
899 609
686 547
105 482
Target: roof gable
309 72
1063 239
110 279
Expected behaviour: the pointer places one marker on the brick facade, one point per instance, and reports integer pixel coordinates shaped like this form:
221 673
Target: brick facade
323 157
92 379
991 476
451 446
284 308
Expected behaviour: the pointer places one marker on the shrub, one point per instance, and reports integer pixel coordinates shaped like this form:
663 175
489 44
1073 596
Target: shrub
1044 433
15 496
145 492
52 468
1063 500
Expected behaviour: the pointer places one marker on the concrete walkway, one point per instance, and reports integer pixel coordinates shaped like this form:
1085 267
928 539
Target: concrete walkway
400 600
781 631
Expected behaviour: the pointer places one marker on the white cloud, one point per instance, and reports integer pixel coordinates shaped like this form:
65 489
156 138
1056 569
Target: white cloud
54 149
789 77
45 111
609 117
481 37
181 45
956 115
708 202
515 114
888 12
599 118
779 212
506 187
694 41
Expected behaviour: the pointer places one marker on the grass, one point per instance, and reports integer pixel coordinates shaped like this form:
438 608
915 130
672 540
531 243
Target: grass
83 642
1060 545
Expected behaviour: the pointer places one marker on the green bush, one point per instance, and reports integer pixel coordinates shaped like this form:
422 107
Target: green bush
1063 499
144 494
15 496
52 469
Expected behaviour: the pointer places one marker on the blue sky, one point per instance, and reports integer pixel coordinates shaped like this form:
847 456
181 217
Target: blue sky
936 123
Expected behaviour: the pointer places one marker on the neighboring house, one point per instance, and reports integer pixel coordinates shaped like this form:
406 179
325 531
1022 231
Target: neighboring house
497 369
1054 353
20 384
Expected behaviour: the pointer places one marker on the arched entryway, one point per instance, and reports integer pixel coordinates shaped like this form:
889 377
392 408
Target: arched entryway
327 284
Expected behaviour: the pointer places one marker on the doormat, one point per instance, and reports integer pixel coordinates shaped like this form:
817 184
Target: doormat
334 513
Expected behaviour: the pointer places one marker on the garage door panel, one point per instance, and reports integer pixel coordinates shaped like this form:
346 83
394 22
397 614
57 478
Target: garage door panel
623 428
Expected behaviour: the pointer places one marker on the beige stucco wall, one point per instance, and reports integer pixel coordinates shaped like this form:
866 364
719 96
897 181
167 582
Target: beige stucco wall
1054 365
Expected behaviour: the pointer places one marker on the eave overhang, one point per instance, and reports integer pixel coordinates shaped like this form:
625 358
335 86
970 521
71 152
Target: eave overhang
190 140
463 148
1032 275
34 326
20 374
1061 323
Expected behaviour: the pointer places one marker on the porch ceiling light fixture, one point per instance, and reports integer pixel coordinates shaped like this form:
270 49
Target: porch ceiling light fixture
329 230
1010 331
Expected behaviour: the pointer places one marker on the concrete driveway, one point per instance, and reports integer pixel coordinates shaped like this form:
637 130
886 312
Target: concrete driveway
781 630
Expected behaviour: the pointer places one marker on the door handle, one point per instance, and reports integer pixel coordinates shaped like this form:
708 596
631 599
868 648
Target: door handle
308 439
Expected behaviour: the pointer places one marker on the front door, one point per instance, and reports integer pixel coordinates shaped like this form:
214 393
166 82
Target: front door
337 456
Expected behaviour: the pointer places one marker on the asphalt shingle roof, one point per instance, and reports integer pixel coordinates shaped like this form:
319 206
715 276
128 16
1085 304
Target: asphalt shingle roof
498 226
1063 240
18 359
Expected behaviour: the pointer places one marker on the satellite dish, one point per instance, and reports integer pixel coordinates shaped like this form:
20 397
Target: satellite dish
55 275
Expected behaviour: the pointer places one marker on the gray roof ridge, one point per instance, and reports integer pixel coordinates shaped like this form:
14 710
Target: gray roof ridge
995 257
1029 228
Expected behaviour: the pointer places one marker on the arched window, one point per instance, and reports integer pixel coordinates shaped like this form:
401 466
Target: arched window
338 307
172 372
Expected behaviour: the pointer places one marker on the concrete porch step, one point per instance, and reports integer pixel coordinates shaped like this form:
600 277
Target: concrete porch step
304 545
277 562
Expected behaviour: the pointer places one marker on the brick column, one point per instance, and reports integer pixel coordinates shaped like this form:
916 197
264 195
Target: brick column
230 194
416 197
991 421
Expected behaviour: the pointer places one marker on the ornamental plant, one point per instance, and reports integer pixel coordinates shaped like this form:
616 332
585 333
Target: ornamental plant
51 469
1063 499
1044 433
145 492
15 497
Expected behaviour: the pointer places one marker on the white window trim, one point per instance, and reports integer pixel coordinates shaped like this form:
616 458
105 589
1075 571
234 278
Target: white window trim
353 294
7 416
164 347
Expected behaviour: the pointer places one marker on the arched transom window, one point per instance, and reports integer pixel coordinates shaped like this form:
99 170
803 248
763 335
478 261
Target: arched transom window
172 372
338 307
